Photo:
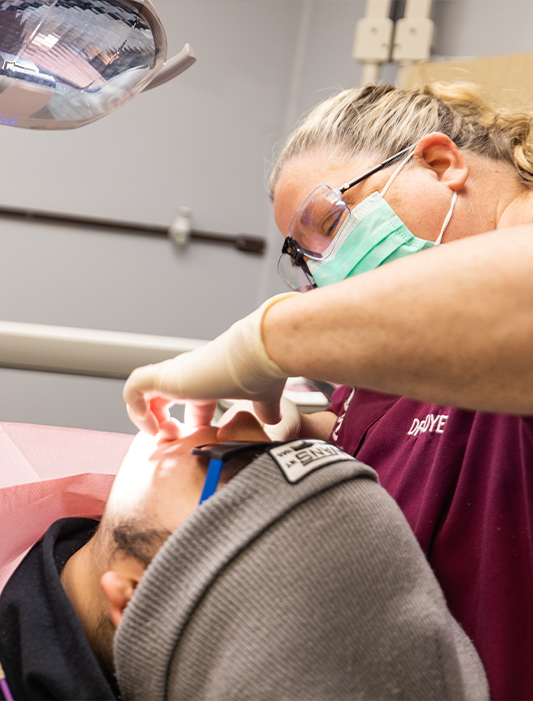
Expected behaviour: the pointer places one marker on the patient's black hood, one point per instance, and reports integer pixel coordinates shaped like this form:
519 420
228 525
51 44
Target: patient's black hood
43 648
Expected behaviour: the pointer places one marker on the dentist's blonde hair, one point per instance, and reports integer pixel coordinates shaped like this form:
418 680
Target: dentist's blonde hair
381 120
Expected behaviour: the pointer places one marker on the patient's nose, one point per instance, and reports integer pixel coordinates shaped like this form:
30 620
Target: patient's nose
242 427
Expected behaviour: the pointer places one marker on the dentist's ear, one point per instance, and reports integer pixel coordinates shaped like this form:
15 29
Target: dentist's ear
439 153
118 586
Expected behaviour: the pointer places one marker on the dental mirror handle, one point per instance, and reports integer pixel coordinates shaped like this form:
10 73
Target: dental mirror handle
173 67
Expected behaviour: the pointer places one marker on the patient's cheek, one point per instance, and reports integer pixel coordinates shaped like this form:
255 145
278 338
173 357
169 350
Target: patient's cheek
159 480
141 448
134 479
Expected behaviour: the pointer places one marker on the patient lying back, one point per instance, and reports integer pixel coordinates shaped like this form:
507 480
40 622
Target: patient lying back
63 610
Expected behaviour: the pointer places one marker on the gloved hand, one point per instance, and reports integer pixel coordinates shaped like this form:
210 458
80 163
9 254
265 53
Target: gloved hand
287 429
235 366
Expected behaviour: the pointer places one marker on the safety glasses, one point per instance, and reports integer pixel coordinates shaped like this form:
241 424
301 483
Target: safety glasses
315 226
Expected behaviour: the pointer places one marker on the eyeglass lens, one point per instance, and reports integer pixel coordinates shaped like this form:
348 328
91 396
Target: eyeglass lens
318 220
294 275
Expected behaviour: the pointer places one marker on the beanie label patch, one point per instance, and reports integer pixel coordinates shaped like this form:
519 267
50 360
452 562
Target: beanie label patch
298 459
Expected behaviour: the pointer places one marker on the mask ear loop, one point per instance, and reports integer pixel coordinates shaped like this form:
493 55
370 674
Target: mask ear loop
398 169
447 220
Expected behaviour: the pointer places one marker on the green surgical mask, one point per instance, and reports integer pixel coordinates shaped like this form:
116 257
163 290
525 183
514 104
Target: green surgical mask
372 235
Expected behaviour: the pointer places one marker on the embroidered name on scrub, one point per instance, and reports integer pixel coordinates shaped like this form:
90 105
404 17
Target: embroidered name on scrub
299 458
431 424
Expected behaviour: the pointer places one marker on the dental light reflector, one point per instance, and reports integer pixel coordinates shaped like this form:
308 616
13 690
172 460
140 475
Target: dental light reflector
66 63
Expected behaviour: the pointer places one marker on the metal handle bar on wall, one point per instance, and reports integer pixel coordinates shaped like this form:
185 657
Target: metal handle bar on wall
243 242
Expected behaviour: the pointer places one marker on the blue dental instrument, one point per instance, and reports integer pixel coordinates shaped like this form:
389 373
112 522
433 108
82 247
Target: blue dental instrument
211 479
219 454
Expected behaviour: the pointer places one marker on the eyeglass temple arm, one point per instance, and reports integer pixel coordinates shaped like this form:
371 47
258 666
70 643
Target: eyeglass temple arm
291 248
373 170
173 67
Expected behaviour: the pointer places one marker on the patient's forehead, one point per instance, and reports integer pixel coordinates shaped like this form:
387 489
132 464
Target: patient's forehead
243 426
144 446
156 471
160 482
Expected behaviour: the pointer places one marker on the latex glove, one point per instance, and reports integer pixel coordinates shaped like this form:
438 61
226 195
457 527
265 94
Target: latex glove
196 414
287 429
235 366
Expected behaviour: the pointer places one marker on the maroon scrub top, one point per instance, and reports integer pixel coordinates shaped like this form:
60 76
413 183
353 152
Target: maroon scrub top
464 481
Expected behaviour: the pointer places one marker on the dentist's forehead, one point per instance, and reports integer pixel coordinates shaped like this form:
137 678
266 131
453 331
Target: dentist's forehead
302 174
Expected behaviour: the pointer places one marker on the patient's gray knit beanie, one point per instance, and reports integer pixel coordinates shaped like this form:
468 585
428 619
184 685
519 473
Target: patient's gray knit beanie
284 590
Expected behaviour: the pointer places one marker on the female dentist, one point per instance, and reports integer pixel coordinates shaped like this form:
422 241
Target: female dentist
370 177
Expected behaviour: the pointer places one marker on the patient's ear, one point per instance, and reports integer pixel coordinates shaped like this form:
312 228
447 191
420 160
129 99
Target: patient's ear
118 585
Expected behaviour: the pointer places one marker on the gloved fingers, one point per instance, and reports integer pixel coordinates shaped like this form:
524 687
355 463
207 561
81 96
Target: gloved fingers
169 428
286 429
137 391
240 405
235 364
147 423
200 413
268 408
289 426
160 408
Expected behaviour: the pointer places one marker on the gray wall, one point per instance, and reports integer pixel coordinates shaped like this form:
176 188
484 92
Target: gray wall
203 141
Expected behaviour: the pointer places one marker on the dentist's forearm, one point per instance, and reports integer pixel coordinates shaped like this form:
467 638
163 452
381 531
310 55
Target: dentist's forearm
452 325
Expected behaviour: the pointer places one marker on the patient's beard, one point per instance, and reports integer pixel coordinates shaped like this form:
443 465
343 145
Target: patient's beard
129 538
101 642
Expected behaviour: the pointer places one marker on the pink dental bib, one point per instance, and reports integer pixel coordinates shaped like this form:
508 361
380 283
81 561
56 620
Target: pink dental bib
48 473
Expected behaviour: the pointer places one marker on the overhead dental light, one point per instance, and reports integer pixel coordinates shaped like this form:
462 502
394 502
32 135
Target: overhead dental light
66 63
